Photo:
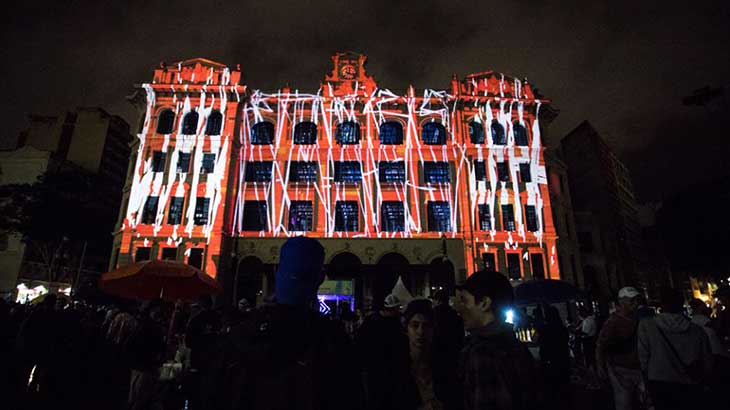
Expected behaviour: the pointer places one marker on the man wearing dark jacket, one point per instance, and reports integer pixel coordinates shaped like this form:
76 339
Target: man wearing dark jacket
496 370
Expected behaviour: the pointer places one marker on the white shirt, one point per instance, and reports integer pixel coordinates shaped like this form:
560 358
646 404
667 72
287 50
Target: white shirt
588 326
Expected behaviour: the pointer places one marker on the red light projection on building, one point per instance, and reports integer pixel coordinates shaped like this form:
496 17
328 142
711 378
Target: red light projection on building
216 161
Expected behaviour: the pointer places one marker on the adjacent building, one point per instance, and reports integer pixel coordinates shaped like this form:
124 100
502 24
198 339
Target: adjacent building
607 223
428 185
89 139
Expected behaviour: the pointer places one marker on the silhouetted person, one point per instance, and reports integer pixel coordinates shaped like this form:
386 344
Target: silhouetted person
675 355
555 356
380 344
146 348
497 371
289 356
616 354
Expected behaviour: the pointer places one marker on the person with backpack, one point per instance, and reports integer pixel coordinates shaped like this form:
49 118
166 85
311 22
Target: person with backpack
496 370
675 355
287 355
616 355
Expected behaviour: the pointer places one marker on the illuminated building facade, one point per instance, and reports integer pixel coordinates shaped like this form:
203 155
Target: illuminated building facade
427 185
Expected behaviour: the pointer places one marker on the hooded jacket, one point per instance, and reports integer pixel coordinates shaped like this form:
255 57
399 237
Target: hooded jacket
689 341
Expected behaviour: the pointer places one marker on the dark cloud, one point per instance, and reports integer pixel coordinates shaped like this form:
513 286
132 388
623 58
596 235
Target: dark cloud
624 66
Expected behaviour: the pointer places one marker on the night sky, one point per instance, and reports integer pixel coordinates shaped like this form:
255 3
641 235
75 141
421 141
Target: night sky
623 66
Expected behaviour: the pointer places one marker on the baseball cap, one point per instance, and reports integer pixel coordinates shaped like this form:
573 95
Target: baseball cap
628 292
391 301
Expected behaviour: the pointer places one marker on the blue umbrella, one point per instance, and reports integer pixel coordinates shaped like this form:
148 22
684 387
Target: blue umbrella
545 291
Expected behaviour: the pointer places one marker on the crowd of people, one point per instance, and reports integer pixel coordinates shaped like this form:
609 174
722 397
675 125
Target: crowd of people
421 355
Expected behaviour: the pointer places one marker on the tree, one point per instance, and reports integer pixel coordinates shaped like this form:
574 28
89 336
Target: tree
56 216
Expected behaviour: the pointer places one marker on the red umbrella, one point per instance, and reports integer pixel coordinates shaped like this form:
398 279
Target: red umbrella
152 279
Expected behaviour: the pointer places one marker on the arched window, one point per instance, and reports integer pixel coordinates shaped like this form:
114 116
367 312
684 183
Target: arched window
498 135
391 133
520 135
165 122
433 133
262 133
348 132
215 123
190 123
305 133
476 132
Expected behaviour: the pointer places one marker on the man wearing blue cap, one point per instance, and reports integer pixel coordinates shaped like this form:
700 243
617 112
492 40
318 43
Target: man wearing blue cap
290 356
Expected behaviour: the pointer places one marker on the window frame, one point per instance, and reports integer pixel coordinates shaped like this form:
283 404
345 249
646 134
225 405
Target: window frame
202 206
438 128
187 123
305 128
158 129
353 125
270 131
472 139
208 123
395 125
430 208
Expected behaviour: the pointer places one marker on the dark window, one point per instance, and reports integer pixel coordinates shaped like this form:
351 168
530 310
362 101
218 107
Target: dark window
498 136
489 261
305 133
433 133
525 174
391 133
262 133
531 217
208 165
347 171
348 132
158 161
150 210
258 171
300 216
183 162
502 171
255 216
436 172
176 209
347 217
302 171
567 225
480 170
169 254
201 211
190 123
508 218
392 216
215 123
390 172
439 216
485 217
196 258
538 269
165 122
142 254
476 132
520 133
585 241
513 266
